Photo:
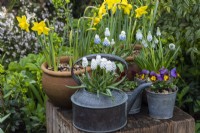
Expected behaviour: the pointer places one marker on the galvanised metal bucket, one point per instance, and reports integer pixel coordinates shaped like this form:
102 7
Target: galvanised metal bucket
99 114
161 106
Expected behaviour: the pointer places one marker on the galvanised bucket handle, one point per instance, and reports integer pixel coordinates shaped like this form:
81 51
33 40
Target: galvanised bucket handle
92 56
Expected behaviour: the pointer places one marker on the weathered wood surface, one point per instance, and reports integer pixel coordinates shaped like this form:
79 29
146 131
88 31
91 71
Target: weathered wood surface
60 121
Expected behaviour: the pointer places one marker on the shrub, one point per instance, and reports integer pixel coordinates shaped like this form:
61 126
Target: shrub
23 97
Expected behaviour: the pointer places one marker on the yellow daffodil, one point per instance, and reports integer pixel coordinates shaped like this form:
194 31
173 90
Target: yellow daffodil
23 24
112 3
102 10
127 9
124 2
40 28
140 11
96 20
114 9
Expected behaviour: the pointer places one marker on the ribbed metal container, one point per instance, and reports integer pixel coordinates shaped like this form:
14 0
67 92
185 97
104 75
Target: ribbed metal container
161 106
99 114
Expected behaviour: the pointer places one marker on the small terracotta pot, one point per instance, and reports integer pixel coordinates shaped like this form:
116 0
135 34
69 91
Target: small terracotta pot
53 84
132 66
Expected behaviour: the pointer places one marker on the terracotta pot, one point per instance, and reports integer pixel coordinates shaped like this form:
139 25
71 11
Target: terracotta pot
132 66
53 84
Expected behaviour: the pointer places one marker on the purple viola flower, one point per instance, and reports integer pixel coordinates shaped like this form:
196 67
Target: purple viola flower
152 73
159 77
144 71
163 71
153 76
173 73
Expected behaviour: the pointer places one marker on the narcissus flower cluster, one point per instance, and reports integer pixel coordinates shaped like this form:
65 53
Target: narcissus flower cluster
39 27
112 6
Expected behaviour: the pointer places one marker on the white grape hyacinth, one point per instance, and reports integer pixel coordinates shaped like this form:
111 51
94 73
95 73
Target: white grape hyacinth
103 63
155 40
114 67
109 66
112 42
172 46
107 32
158 33
98 59
149 37
84 62
139 35
94 64
144 43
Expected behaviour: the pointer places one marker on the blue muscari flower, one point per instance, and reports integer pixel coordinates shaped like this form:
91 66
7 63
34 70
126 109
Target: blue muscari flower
122 36
97 40
106 42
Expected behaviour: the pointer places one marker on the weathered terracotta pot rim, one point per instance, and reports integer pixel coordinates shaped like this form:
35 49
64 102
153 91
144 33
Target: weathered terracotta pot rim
62 74
130 58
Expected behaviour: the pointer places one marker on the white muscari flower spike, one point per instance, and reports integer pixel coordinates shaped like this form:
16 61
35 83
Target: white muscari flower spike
155 40
144 43
107 32
139 35
94 64
98 59
153 45
114 67
84 62
158 33
106 42
149 37
103 63
122 36
112 42
172 46
97 40
109 66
